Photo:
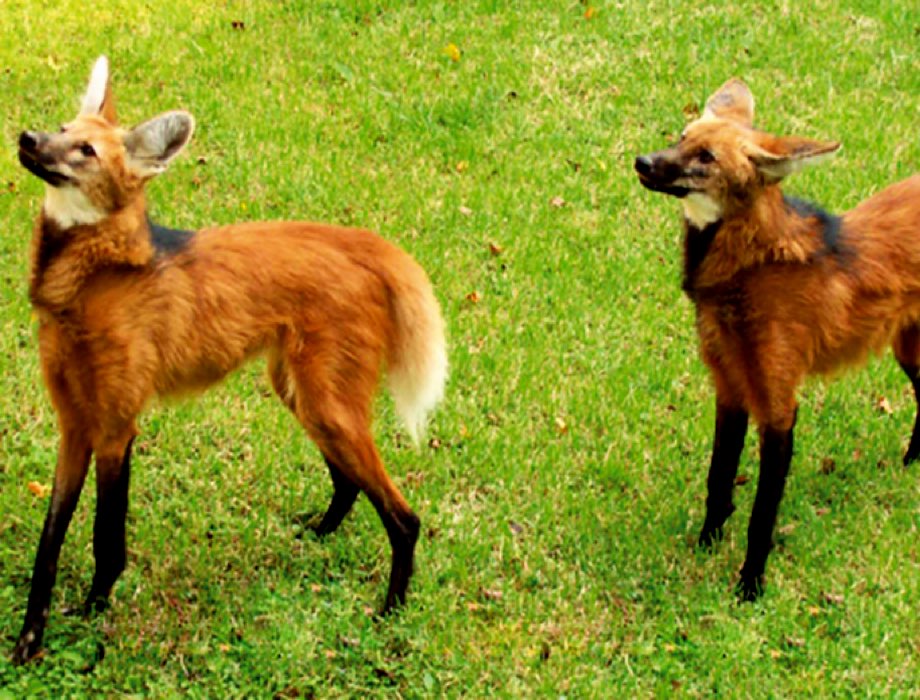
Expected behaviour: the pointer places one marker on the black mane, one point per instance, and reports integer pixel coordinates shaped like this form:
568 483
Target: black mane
831 226
168 241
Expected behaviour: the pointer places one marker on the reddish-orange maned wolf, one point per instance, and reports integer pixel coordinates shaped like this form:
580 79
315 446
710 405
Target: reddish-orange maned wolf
782 290
128 310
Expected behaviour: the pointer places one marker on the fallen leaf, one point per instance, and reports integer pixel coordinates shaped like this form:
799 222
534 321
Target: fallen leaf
828 466
786 529
691 110
434 443
822 511
349 641
884 405
473 606
452 51
466 211
833 598
315 587
492 594
670 648
590 12
330 653
741 480
38 490
776 654
474 297
814 610
557 202
516 528
461 166
561 426
495 249
794 642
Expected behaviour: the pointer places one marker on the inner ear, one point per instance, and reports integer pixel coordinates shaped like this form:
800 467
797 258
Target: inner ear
733 101
152 145
777 157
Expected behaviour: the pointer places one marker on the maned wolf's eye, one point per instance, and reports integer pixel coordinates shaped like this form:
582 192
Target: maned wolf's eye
705 157
87 150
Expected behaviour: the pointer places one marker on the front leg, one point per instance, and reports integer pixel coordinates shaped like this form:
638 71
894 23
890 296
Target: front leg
775 458
731 428
73 461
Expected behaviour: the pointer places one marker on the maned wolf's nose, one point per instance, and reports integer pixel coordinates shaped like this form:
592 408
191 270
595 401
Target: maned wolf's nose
28 141
644 165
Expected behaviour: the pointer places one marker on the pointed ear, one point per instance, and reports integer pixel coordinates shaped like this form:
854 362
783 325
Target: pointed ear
732 101
151 145
777 157
98 98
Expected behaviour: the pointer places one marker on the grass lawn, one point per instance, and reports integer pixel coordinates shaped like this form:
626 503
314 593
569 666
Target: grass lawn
562 497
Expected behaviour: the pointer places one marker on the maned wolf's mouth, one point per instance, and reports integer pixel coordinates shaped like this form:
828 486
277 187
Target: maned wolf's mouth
31 161
673 190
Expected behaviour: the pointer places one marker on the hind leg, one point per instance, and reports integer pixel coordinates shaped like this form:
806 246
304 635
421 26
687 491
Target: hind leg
350 445
345 492
907 351
330 393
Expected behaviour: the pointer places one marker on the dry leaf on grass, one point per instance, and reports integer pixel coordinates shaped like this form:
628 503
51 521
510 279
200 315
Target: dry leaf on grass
38 490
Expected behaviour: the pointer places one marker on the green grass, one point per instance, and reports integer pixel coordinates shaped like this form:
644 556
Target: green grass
555 561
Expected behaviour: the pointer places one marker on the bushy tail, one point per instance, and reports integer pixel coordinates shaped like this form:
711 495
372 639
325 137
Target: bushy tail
417 363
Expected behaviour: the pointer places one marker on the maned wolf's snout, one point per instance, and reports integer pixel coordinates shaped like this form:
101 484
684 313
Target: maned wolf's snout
33 158
659 171
644 165
28 141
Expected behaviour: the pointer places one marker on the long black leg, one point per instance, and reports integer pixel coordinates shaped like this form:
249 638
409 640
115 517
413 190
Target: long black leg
113 475
775 458
73 460
402 529
906 347
731 428
913 449
343 498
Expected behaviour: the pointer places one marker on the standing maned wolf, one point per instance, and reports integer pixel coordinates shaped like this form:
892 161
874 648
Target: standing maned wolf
782 290
129 310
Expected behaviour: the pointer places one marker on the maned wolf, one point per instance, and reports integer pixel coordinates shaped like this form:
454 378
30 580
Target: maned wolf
129 310
782 289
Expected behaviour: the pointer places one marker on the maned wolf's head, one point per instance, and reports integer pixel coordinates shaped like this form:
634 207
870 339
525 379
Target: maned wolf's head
92 167
721 162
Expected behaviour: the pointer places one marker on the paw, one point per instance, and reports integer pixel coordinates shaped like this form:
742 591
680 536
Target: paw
710 536
95 603
749 588
308 522
27 647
